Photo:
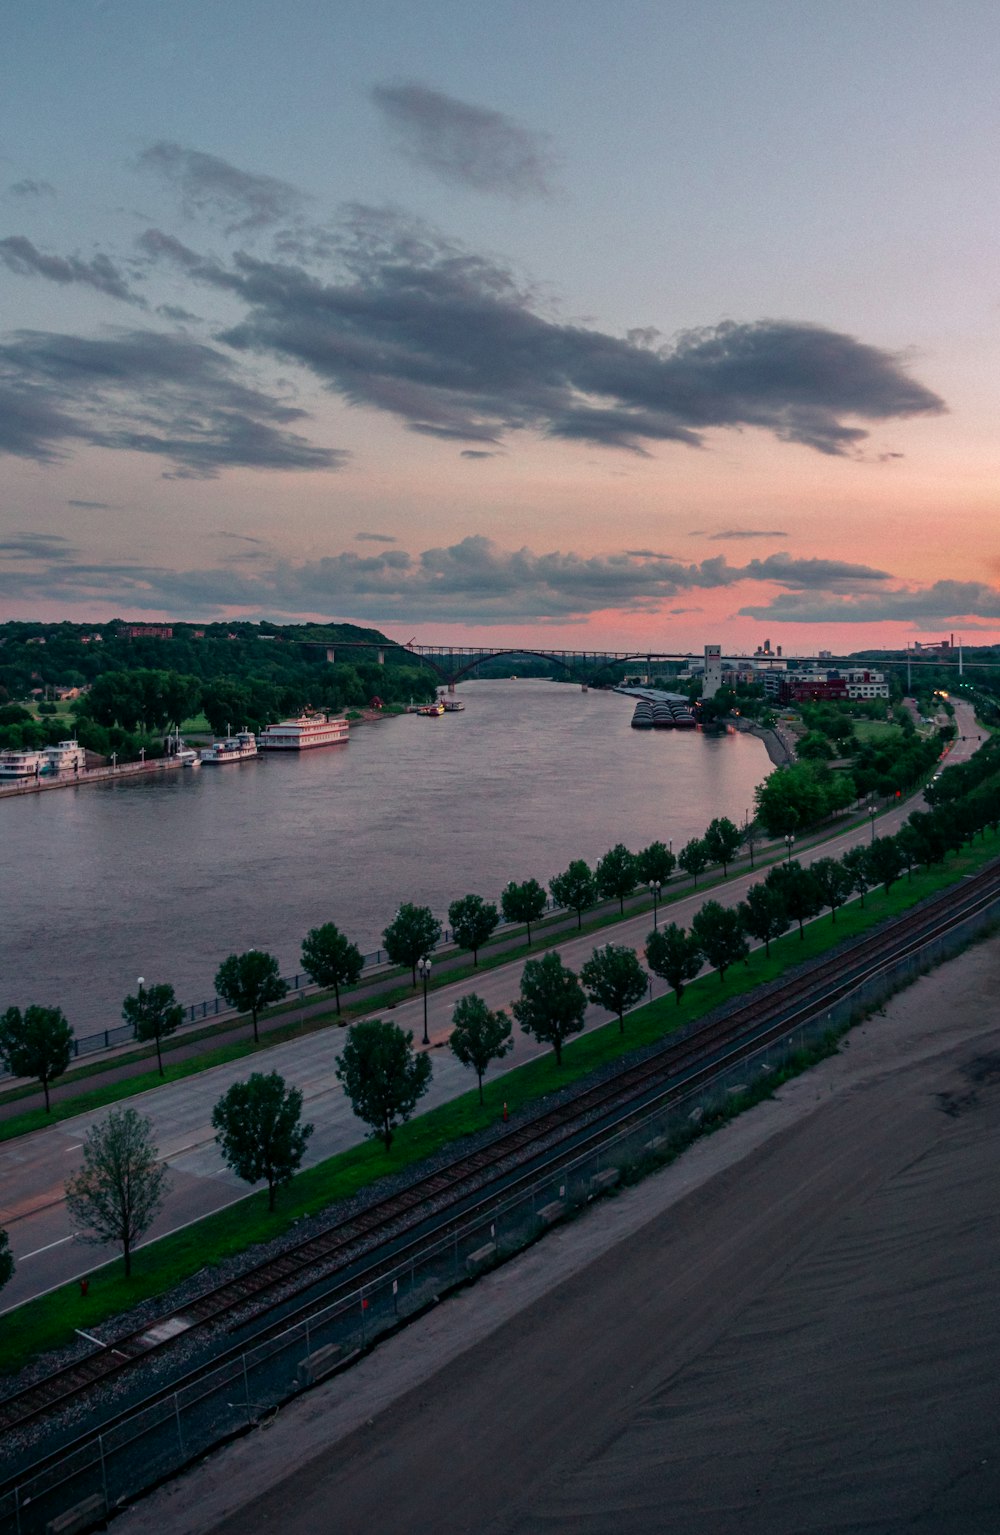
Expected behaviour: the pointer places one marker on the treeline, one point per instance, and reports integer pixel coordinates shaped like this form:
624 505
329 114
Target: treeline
232 673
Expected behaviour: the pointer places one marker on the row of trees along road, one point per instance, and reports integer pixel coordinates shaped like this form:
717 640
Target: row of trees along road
258 1123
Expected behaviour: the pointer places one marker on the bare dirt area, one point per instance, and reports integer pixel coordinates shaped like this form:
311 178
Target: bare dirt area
793 1329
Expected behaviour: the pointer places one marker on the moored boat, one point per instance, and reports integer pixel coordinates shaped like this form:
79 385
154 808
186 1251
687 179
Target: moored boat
238 748
304 733
64 757
20 764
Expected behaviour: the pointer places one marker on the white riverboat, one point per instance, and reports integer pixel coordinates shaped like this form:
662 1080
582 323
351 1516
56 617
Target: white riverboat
20 765
64 757
304 733
238 748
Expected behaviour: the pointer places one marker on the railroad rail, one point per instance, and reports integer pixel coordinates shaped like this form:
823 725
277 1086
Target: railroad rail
359 1247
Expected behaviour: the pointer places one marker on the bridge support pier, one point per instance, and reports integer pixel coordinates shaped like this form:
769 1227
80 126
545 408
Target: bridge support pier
451 687
381 658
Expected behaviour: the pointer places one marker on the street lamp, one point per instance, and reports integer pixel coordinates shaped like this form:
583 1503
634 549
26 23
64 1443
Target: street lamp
654 889
114 761
424 972
789 844
873 812
142 754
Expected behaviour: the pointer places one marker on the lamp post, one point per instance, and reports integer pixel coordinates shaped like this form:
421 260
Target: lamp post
424 972
142 754
789 844
114 761
140 983
654 889
873 812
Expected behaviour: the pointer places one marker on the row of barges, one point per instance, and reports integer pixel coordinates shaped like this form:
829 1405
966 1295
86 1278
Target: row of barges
662 714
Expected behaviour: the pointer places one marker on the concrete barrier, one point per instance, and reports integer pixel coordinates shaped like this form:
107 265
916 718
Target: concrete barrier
553 1212
480 1258
319 1364
601 1182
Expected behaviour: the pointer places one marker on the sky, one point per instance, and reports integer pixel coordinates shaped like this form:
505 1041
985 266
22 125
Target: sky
660 322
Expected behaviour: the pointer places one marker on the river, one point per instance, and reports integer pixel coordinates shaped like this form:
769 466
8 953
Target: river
164 876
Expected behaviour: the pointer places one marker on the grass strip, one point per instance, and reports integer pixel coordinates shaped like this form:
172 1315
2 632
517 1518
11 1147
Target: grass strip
49 1320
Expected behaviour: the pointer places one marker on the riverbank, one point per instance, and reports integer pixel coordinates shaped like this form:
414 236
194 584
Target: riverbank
779 752
88 776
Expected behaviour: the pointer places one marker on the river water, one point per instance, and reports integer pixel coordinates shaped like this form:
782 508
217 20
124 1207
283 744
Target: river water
164 876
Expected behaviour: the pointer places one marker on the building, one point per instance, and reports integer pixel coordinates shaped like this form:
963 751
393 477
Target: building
822 686
146 632
713 671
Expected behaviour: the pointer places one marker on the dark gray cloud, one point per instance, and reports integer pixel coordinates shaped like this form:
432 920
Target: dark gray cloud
205 184
95 506
30 188
478 453
145 392
175 312
648 554
738 533
449 343
943 601
19 255
375 538
471 581
51 547
465 145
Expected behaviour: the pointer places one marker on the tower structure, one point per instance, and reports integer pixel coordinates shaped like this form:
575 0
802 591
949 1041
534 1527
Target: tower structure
713 671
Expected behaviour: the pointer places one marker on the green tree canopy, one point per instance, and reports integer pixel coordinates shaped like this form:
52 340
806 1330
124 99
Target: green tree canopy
523 903
382 1076
120 1187
6 1260
472 920
833 882
719 934
331 960
799 891
855 861
614 979
258 1127
552 1004
411 935
693 858
763 914
479 1035
722 842
250 982
154 1013
885 861
616 874
36 1043
575 889
655 864
675 956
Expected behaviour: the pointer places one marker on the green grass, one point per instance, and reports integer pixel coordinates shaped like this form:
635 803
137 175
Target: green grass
49 1320
874 730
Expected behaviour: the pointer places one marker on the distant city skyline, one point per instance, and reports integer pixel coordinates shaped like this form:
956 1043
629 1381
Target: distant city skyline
632 326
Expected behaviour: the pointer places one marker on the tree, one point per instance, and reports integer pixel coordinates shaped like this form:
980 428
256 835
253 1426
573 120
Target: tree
330 959
614 979
749 837
763 914
833 882
693 858
120 1187
552 1004
576 889
885 862
382 1076
855 861
722 842
258 1128
798 890
479 1035
675 956
6 1260
250 982
655 864
523 903
719 934
616 874
36 1043
411 935
154 1013
472 922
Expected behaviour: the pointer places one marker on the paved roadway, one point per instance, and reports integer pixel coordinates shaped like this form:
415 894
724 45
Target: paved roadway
33 1169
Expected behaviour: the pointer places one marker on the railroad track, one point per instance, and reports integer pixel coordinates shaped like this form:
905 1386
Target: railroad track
672 1070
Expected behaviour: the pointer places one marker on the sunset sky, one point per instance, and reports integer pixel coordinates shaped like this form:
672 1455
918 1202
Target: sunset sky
606 324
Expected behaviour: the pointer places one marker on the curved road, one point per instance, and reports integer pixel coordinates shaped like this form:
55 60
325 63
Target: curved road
34 1168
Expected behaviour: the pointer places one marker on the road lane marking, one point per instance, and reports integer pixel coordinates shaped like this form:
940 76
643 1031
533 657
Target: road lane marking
47 1248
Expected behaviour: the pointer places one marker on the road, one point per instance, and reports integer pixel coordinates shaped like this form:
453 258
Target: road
34 1168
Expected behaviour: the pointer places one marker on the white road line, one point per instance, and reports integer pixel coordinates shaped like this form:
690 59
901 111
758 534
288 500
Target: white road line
47 1248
